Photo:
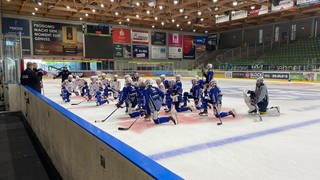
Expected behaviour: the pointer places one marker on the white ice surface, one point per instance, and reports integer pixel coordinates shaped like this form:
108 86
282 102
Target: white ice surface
290 154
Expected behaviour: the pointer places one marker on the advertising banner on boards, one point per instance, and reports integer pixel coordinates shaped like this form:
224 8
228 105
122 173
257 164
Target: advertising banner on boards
175 52
140 37
158 38
175 39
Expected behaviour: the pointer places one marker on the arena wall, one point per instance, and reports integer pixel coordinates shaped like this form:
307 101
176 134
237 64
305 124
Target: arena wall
78 149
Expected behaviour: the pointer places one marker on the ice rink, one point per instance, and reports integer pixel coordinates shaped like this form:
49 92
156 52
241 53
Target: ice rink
285 146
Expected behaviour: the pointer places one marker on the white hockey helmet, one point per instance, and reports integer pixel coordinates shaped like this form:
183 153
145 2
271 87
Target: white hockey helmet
128 80
209 66
70 77
178 77
103 75
127 76
148 82
162 76
115 76
260 79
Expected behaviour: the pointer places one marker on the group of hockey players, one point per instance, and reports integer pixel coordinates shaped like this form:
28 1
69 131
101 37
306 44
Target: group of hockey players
143 98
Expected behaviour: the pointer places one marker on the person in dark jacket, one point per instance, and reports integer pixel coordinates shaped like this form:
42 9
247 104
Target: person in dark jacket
64 74
29 78
39 72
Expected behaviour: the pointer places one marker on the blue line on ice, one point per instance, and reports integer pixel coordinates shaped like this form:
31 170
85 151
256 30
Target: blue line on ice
230 140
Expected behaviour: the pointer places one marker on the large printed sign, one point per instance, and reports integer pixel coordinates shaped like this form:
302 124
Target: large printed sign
212 41
56 39
239 14
200 43
175 52
258 10
120 35
126 51
140 51
188 47
140 37
222 18
12 25
276 75
306 2
175 39
279 5
159 52
158 38
117 50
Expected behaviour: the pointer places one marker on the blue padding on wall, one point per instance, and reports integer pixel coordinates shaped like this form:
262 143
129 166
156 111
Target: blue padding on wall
143 162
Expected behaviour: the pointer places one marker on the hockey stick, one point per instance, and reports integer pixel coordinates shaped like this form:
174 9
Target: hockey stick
79 102
219 123
258 112
127 128
107 116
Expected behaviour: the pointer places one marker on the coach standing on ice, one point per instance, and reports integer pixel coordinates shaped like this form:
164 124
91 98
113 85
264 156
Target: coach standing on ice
64 74
208 74
29 78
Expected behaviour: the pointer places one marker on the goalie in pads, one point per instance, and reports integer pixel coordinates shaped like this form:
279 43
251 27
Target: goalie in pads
258 98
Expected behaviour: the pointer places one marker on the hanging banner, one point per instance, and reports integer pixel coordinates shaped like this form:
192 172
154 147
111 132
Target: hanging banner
258 10
158 52
100 29
12 25
117 50
55 39
140 51
188 47
126 51
306 2
280 5
175 52
158 38
175 39
239 14
212 42
200 43
140 37
222 18
120 35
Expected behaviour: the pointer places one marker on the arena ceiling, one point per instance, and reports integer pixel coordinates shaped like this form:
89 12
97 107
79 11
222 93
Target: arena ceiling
188 15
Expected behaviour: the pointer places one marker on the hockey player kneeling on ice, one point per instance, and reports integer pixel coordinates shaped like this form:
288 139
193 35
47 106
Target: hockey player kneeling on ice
68 87
100 100
82 86
215 98
177 95
260 97
152 102
106 84
115 86
94 86
129 95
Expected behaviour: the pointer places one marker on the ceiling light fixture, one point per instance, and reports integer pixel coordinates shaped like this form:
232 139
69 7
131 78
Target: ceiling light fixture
216 8
160 7
162 23
234 3
153 26
137 3
214 1
111 0
181 10
128 19
102 5
172 20
80 19
194 30
120 22
189 22
116 13
8 0
36 9
137 16
152 3
93 10
201 19
199 13
178 25
186 17
252 7
148 12
33 13
216 15
87 14
156 18
233 12
175 1
40 3
206 32
68 7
